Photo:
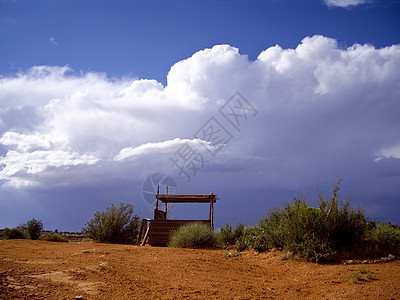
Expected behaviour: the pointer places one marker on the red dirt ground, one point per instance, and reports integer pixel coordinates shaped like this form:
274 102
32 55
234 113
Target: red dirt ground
49 270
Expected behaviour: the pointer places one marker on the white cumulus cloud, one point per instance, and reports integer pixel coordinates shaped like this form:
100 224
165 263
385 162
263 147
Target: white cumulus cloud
20 167
344 3
154 148
389 152
322 110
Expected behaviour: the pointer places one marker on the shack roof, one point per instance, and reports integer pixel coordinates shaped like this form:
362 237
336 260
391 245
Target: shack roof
187 198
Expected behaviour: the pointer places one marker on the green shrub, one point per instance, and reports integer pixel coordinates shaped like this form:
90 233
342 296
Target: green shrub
87 240
225 235
31 229
361 274
193 235
240 236
356 277
34 228
54 237
250 237
229 236
241 244
255 237
312 233
115 225
298 228
14 233
382 237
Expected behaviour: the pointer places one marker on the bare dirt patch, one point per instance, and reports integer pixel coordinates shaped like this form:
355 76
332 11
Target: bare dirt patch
48 270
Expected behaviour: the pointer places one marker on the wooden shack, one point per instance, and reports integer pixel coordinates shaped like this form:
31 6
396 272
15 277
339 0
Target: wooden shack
156 231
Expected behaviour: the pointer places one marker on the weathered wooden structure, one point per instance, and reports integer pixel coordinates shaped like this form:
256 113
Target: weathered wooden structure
156 231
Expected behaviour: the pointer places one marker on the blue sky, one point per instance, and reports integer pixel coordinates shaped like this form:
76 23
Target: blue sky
95 96
145 38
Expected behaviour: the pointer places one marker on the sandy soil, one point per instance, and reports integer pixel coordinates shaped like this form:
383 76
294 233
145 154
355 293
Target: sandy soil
49 270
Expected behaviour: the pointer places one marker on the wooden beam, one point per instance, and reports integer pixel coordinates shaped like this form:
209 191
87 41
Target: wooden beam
187 198
166 204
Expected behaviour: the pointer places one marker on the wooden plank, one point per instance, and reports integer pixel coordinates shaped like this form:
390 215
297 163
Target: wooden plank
159 214
142 230
169 222
206 196
187 198
146 236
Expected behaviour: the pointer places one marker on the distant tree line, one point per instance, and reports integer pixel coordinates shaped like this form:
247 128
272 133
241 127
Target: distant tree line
31 230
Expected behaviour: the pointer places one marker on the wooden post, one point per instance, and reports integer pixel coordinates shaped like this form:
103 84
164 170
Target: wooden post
158 192
166 202
212 214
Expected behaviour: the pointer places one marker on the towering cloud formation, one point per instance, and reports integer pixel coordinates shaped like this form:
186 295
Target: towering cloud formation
322 111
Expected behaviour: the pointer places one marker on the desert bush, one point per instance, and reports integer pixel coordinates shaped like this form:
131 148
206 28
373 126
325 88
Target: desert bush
194 235
225 235
31 229
115 225
361 275
229 236
87 240
54 237
250 237
34 228
382 237
254 237
241 244
240 236
14 233
313 233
